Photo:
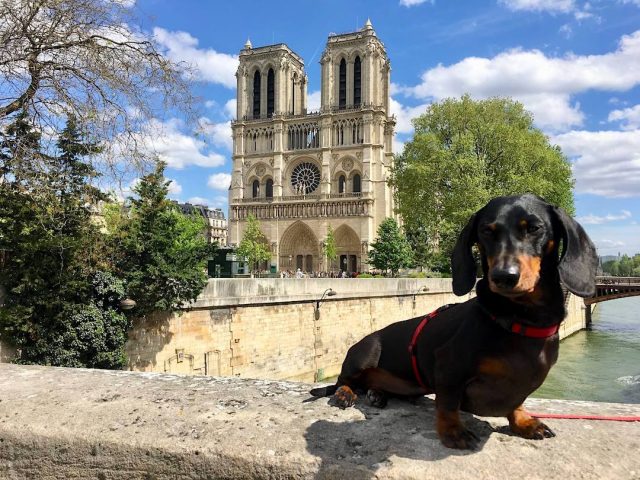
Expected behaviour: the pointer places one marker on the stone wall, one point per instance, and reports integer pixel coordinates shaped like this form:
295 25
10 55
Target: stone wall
63 423
266 328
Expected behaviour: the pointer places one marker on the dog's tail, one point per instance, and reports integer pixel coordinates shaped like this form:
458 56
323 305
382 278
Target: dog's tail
324 391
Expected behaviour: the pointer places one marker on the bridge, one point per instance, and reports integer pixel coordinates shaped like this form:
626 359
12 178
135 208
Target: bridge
610 288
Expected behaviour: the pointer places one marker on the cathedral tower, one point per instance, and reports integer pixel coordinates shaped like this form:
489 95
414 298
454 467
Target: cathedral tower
300 172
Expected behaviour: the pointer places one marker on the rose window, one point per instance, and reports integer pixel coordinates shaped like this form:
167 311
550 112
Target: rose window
305 178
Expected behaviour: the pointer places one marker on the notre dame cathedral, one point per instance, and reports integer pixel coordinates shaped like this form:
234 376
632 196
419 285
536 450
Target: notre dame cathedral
299 172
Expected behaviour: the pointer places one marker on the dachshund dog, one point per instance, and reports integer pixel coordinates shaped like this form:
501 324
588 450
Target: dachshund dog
486 355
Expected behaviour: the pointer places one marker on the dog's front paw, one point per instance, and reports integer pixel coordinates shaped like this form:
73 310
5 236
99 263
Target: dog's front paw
532 429
460 438
344 397
526 426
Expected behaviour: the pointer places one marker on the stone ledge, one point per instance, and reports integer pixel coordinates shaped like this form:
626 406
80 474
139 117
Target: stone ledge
229 292
60 423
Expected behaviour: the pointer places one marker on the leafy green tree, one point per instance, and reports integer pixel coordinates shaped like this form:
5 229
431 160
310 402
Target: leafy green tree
58 309
329 247
254 246
391 250
464 153
160 253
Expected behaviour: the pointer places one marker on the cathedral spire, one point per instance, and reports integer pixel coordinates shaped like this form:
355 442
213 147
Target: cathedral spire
248 45
367 25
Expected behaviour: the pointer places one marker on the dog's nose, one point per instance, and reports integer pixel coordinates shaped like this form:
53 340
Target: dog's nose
506 277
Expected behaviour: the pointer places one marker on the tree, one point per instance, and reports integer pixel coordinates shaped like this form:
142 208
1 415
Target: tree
160 253
253 246
464 153
58 308
391 250
88 59
329 248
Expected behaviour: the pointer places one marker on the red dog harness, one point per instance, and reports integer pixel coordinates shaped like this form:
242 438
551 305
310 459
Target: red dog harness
509 325
414 340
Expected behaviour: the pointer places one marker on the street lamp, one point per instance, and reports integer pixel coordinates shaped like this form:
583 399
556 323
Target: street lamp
127 304
422 289
329 292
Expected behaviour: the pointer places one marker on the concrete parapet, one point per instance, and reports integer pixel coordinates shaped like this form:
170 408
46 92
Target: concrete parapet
252 291
60 423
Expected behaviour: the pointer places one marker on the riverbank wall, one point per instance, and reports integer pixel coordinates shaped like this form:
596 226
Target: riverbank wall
58 423
269 328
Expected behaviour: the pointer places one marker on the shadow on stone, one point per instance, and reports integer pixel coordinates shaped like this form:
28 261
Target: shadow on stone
359 449
147 337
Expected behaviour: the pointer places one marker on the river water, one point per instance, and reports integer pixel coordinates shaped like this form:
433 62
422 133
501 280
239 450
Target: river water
602 364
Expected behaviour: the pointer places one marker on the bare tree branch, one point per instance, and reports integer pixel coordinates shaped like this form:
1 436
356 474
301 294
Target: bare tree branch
87 58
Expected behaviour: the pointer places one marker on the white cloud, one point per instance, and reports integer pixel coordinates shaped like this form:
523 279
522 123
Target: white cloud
630 116
230 108
411 3
632 2
397 146
605 163
566 30
404 115
599 220
219 201
313 101
219 181
175 188
209 65
218 133
125 3
176 148
606 243
544 84
552 6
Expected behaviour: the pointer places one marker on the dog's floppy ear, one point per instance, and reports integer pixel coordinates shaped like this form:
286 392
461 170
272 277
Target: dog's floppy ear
579 259
463 266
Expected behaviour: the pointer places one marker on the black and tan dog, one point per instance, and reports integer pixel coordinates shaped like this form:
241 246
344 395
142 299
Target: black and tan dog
486 355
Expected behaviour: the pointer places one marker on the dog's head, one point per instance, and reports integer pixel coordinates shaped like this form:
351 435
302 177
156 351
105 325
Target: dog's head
518 237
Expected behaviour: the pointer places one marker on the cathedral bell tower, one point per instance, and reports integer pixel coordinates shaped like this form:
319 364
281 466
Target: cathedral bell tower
302 172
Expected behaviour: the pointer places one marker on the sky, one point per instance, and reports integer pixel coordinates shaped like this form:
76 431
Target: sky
575 65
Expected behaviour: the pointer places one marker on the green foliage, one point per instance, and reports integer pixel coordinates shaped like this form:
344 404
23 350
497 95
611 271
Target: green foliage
329 247
159 252
88 334
254 246
365 275
417 275
464 153
57 309
391 250
625 266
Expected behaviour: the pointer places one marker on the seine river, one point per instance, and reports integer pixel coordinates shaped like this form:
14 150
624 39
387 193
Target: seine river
602 364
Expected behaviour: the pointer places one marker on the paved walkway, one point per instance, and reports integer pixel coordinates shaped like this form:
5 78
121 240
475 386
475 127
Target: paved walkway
91 424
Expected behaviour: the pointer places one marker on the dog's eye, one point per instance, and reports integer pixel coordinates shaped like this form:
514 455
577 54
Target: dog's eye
486 231
533 228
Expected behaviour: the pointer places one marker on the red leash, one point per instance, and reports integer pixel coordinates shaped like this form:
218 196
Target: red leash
610 418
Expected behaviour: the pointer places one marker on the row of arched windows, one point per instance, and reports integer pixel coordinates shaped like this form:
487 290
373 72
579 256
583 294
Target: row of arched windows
355 186
257 92
357 83
268 189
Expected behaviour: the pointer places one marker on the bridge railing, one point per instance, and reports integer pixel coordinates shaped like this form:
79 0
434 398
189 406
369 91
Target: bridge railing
609 280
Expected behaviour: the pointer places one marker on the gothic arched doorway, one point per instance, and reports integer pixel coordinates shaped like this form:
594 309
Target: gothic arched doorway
348 247
299 249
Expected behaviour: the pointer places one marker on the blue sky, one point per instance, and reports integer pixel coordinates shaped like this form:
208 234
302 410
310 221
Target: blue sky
574 64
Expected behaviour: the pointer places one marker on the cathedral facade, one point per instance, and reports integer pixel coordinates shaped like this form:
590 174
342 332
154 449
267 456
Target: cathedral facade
300 172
